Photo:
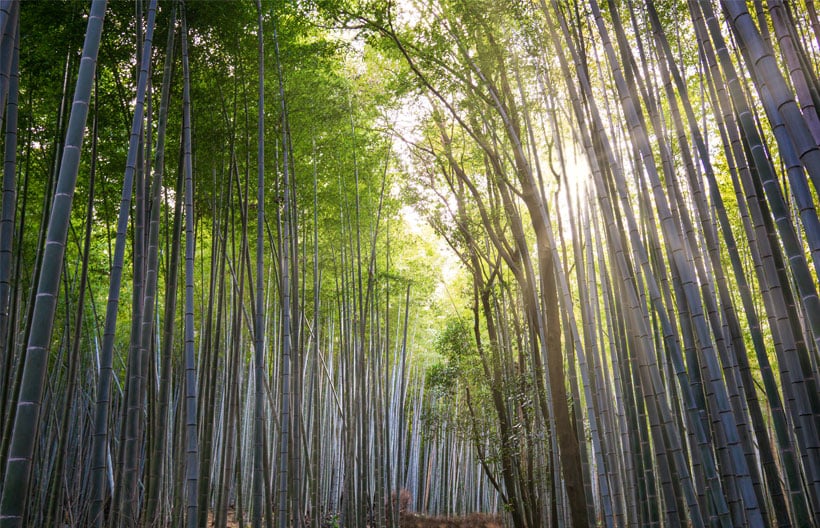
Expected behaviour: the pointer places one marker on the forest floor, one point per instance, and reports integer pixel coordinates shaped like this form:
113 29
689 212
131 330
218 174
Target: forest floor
231 522
410 520
474 520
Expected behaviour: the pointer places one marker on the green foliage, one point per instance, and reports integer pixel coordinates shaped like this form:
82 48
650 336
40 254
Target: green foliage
456 343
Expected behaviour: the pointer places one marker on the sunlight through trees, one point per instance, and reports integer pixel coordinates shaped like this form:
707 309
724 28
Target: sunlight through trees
420 263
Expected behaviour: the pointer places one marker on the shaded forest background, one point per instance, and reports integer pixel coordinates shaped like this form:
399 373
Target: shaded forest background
270 263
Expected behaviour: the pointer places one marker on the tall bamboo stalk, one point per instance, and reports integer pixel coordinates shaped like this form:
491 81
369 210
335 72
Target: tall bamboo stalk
26 424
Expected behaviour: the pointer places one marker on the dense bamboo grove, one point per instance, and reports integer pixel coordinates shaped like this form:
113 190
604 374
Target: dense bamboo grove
356 263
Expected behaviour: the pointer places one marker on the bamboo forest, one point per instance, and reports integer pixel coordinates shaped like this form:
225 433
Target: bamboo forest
409 263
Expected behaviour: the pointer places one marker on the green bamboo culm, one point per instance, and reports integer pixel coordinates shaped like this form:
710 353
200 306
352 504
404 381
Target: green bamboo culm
128 479
99 450
9 198
156 456
285 405
190 387
259 322
9 30
24 433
